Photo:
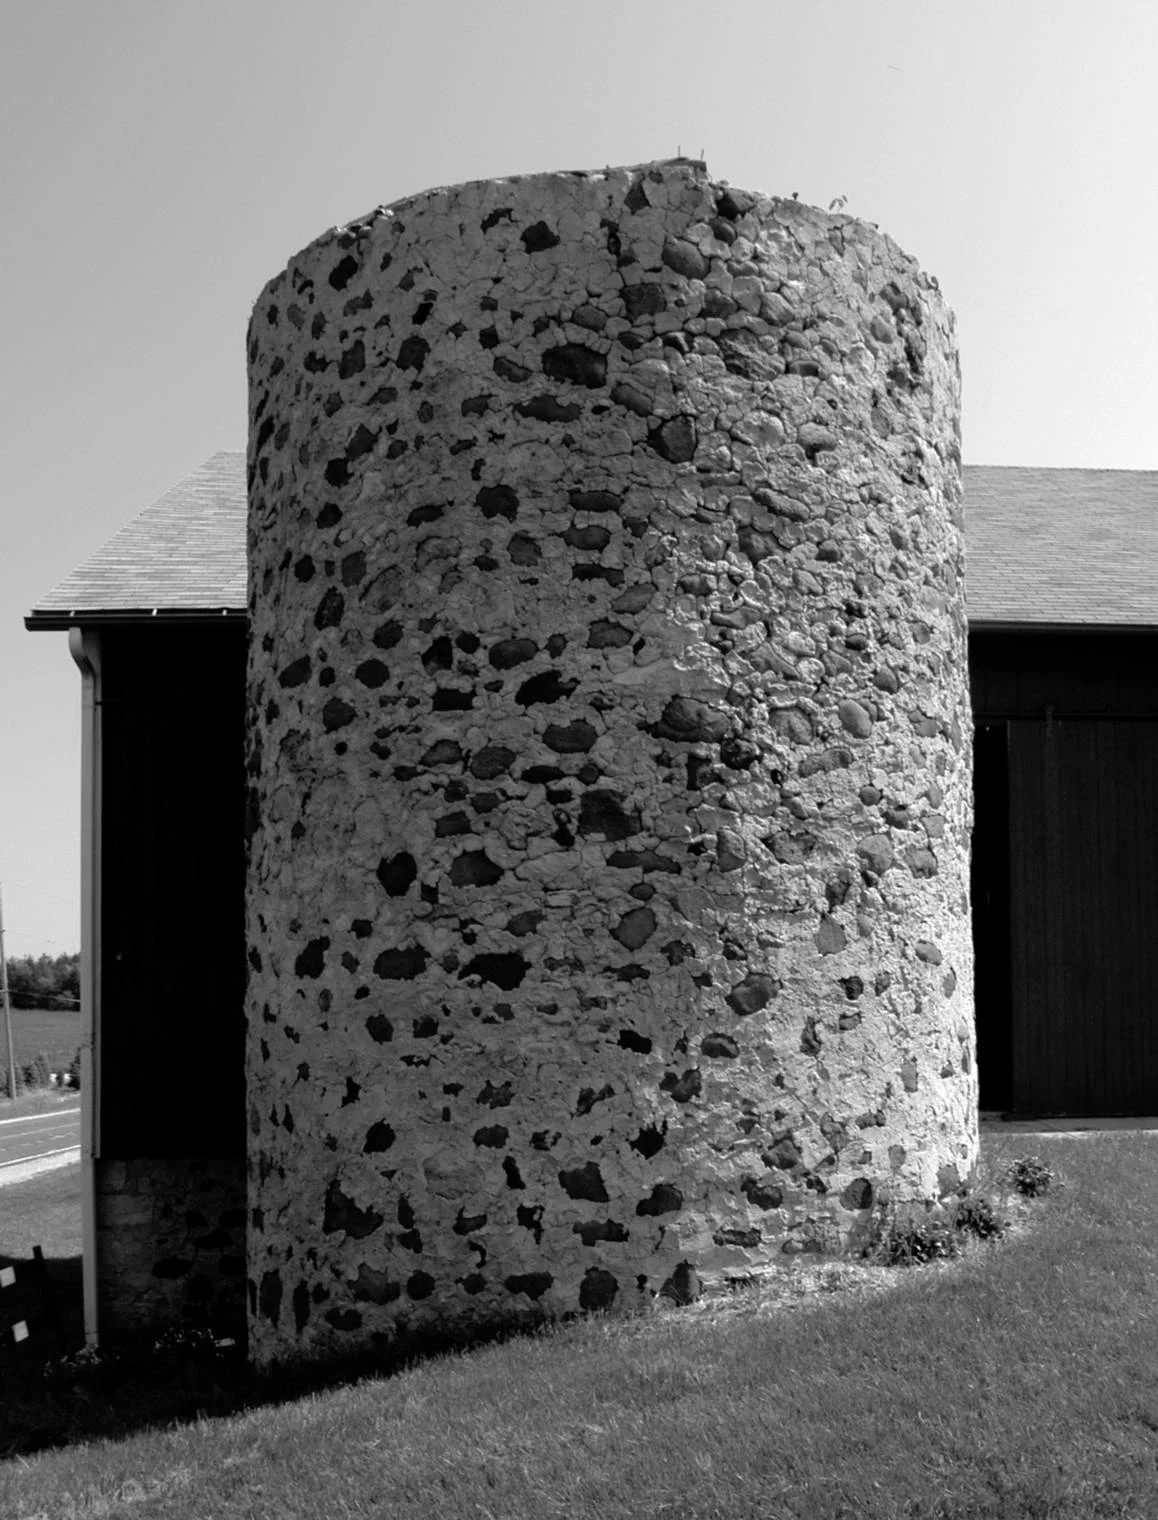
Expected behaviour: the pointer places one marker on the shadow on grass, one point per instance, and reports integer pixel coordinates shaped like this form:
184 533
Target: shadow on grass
51 1400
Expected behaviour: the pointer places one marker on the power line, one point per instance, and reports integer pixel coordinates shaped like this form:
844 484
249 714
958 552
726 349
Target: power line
10 881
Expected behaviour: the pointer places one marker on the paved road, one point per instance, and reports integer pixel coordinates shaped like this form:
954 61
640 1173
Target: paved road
37 1142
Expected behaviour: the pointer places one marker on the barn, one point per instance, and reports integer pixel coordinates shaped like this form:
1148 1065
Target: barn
1063 619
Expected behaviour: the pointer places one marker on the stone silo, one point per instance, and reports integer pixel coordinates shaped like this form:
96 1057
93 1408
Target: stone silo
608 916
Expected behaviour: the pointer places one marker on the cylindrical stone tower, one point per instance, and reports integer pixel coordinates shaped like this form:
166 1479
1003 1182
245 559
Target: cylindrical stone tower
608 910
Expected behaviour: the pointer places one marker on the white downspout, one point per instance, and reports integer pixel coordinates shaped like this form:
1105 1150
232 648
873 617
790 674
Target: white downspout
84 646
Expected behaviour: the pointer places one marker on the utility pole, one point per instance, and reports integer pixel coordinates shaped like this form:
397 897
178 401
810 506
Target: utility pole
7 1005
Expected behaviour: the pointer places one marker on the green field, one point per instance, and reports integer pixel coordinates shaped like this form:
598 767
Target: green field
51 1030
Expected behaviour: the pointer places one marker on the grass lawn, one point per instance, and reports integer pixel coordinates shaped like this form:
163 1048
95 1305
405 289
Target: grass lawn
54 1031
1020 1381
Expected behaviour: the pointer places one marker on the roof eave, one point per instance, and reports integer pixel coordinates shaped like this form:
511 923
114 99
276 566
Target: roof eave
49 620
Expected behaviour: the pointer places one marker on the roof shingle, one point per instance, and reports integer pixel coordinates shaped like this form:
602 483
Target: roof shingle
1044 546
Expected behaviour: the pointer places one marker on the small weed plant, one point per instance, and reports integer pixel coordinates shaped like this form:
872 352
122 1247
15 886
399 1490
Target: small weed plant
1031 1177
910 1240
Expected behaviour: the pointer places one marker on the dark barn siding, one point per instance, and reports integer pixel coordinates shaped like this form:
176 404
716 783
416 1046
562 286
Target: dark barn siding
1079 714
172 893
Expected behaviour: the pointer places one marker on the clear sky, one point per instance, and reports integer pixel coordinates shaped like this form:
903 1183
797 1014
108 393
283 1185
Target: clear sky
162 160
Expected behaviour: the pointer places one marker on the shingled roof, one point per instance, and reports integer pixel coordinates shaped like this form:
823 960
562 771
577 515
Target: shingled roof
183 557
1045 547
1061 546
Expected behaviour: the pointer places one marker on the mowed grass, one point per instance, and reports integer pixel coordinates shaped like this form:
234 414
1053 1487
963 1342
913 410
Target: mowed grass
1020 1381
54 1031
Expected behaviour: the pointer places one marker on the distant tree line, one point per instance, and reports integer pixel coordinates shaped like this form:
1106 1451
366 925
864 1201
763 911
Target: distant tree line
44 981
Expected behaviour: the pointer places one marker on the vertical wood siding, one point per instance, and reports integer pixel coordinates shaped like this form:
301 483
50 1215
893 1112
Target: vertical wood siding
1083 810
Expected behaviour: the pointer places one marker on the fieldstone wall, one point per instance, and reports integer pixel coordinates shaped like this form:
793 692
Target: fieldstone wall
608 915
170 1244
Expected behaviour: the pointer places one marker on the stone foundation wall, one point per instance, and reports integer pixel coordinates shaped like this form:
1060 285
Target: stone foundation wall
608 912
170 1244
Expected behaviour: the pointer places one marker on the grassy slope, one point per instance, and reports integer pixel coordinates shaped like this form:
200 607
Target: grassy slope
1021 1382
56 1032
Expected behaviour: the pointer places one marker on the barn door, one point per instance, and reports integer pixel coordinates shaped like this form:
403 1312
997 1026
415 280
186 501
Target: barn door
1083 811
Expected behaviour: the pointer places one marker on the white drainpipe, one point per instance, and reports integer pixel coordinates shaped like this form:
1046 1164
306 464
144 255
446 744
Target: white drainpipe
84 646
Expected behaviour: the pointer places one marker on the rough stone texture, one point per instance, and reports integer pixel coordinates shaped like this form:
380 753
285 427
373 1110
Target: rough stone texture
170 1244
609 752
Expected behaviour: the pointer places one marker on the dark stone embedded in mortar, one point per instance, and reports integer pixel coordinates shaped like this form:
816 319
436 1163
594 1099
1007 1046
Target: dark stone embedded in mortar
853 987
595 501
576 364
450 824
685 258
372 673
497 501
342 1213
761 1195
591 1231
720 1046
664 1198
344 1319
928 952
948 1179
474 868
174 1267
525 923
492 1135
548 686
604 634
858 1194
683 1286
730 851
688 721
598 1288
375 1287
505 970
312 960
642 860
343 272
584 1182
635 928
548 409
538 238
533 1284
922 863
749 1238
601 812
491 761
650 1140
674 440
682 1087
644 300
751 994
571 738
910 1076
268 1296
828 760
330 609
830 938
442 752
379 1137
739 754
419 1285
401 965
295 674
810 1042
511 651
379 1028
397 875
631 1039
495 1097
593 536
876 853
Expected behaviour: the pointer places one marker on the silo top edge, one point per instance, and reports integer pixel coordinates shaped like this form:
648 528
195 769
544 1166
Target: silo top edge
788 209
